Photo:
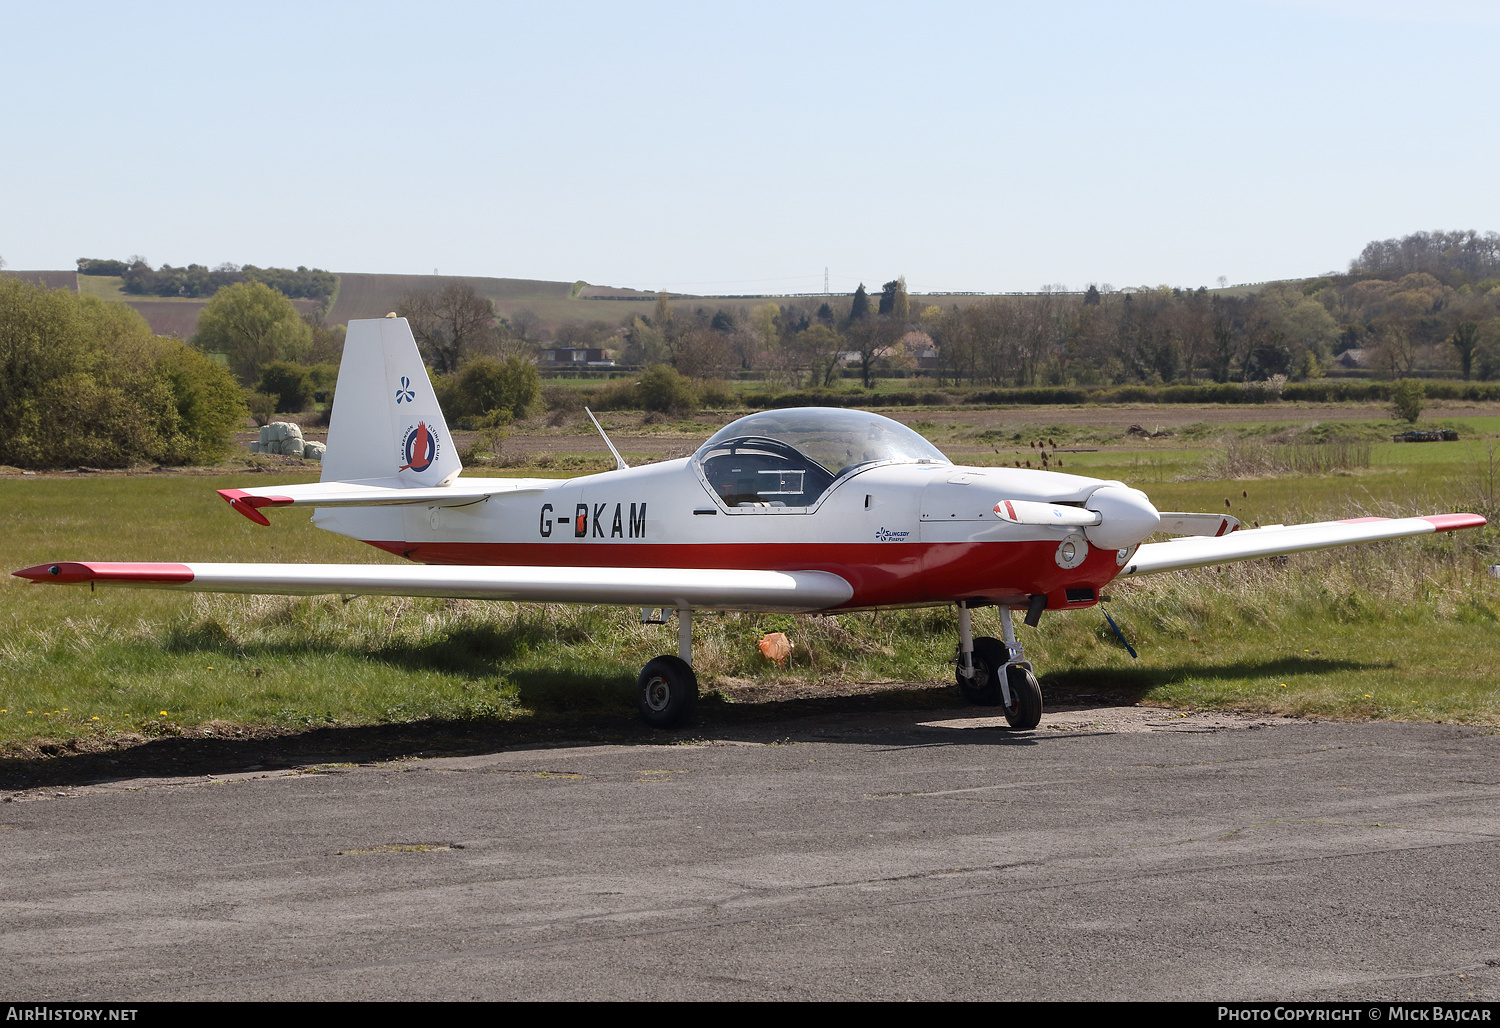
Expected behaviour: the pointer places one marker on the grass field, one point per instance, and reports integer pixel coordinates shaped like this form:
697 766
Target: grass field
1409 629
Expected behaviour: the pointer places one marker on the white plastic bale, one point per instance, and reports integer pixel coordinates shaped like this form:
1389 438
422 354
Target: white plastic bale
280 431
290 447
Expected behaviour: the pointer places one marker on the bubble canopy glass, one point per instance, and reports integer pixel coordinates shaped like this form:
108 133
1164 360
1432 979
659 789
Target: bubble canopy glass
790 458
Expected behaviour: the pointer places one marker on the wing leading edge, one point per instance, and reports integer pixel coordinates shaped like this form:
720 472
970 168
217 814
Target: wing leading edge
1198 551
698 588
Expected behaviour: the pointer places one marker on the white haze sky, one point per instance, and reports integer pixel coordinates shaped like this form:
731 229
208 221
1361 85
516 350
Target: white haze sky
727 147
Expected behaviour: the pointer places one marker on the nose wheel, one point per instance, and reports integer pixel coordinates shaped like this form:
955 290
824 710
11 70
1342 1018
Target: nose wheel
1025 707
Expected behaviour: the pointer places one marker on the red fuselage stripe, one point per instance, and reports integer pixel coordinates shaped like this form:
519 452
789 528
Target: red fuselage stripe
880 573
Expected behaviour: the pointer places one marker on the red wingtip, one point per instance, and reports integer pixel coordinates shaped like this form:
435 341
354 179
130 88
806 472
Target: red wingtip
67 572
246 504
1449 522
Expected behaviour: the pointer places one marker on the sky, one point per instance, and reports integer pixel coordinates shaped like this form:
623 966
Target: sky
747 147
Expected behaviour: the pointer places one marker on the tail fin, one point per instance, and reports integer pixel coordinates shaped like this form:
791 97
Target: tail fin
386 422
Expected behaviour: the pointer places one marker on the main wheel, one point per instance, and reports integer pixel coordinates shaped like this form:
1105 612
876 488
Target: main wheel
668 692
990 656
1025 708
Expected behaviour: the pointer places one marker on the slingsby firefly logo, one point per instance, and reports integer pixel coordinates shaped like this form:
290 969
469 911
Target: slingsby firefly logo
885 535
406 393
419 449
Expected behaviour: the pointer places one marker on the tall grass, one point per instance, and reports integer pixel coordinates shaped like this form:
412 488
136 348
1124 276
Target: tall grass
1237 458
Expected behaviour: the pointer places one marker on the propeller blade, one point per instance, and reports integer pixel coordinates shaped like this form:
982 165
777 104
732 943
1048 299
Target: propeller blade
1030 512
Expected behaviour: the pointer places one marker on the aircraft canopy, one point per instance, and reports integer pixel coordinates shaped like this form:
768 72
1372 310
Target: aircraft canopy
792 457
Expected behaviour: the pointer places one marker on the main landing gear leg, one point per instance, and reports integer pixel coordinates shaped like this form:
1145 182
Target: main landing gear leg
978 663
667 687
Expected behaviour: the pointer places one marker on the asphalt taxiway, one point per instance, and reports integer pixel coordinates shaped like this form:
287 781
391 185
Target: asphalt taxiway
1118 853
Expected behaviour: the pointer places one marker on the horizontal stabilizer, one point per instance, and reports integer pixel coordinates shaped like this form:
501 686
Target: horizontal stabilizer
1198 524
697 588
379 492
1177 554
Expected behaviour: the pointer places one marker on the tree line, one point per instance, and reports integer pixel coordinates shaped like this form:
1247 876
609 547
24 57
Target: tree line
85 382
1425 304
198 280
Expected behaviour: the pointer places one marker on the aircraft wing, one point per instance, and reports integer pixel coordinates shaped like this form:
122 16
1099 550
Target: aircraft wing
697 588
375 492
1199 551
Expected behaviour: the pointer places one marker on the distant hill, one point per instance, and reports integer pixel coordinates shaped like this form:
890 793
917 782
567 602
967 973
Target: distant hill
373 296
362 295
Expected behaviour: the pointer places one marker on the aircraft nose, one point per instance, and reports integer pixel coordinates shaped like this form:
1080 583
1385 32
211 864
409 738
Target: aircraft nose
1127 517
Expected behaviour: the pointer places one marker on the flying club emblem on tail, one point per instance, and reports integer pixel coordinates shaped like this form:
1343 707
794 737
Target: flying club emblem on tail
419 448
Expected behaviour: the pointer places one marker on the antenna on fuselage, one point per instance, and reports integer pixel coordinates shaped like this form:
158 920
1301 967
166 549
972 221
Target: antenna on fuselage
620 464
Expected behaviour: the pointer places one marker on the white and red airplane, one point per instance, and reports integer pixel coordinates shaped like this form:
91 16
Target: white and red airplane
808 509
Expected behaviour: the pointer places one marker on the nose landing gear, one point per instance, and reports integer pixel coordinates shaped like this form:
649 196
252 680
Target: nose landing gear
993 673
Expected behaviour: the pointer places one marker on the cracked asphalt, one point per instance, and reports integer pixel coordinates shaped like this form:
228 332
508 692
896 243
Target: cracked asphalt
1117 853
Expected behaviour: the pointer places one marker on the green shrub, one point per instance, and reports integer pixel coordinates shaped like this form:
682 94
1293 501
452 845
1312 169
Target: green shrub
616 395
1406 400
483 387
86 383
562 398
291 384
262 406
663 388
715 392
325 377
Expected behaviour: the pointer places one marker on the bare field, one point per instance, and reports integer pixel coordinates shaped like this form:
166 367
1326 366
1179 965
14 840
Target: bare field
373 296
48 279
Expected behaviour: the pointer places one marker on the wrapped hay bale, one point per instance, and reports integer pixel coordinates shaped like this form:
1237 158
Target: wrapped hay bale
283 437
313 450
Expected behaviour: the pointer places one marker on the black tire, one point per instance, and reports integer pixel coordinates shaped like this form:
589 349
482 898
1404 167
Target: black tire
990 656
1025 709
668 692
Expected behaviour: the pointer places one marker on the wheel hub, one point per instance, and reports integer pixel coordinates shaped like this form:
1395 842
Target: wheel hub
658 694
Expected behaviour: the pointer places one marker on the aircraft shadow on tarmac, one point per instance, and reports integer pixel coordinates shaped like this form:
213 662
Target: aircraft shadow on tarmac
594 709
